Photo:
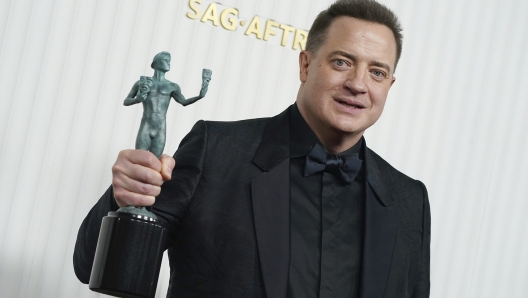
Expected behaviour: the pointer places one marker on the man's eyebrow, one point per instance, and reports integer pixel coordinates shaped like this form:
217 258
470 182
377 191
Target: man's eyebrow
344 54
381 64
354 58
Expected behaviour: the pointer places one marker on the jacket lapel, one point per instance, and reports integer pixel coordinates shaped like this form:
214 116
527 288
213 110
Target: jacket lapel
380 229
271 205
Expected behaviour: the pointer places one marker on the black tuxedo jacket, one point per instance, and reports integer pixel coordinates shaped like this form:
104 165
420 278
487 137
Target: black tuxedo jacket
228 208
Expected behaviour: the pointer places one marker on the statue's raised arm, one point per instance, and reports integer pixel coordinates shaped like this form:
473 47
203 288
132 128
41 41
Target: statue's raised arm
179 98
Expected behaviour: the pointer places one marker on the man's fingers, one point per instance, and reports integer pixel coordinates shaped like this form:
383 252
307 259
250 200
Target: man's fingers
142 157
137 176
167 165
126 198
144 174
130 192
137 172
137 186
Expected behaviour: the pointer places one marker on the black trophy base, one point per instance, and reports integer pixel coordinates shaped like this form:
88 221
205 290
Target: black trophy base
128 256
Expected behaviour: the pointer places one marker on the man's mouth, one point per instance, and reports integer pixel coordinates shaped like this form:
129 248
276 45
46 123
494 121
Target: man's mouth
351 104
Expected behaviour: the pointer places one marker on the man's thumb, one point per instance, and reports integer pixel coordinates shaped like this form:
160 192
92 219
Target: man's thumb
167 165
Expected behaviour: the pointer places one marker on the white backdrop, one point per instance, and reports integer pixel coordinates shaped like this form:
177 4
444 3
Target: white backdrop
454 119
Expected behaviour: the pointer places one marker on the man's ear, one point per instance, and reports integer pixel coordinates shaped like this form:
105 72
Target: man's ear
304 61
393 80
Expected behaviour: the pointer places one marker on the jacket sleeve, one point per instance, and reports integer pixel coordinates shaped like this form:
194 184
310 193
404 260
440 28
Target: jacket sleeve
88 234
176 195
423 285
170 205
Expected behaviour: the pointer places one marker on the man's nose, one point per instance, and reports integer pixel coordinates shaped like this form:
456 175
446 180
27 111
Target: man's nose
356 80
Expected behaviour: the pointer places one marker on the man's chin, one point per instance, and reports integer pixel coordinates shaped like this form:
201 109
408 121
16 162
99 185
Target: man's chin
348 130
348 124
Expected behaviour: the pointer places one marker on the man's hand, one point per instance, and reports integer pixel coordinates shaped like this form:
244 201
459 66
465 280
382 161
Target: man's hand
137 176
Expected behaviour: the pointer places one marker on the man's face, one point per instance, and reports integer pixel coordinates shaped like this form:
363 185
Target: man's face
346 82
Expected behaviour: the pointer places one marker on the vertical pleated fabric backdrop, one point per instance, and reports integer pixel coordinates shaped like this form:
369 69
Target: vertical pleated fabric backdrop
455 119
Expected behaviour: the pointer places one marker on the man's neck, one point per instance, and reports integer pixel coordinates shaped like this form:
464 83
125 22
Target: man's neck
336 142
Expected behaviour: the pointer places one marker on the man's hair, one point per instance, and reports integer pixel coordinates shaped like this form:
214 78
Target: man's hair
159 56
366 10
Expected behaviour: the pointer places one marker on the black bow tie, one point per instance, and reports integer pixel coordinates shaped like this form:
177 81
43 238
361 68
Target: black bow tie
345 167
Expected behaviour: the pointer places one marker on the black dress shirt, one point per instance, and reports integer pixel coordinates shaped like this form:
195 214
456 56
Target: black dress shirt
326 223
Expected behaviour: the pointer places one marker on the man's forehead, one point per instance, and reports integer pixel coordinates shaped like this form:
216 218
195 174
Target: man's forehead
350 25
373 38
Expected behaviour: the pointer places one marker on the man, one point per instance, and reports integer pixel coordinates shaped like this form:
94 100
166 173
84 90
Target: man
155 94
295 205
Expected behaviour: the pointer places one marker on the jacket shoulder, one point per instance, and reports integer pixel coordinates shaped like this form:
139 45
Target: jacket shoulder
242 133
387 169
236 127
392 183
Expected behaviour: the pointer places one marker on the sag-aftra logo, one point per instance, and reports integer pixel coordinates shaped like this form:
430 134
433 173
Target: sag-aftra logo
259 27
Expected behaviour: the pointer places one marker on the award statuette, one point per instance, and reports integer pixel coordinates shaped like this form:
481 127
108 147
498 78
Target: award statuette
131 240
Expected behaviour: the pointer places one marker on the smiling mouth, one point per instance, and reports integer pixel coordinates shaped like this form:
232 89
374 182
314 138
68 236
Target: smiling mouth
350 105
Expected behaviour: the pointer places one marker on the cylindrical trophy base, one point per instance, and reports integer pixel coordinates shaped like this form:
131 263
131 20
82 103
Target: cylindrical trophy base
128 256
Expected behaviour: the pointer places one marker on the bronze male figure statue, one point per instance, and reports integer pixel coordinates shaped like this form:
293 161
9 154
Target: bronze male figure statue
155 94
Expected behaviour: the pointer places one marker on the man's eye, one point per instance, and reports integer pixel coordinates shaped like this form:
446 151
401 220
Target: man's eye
340 63
378 73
